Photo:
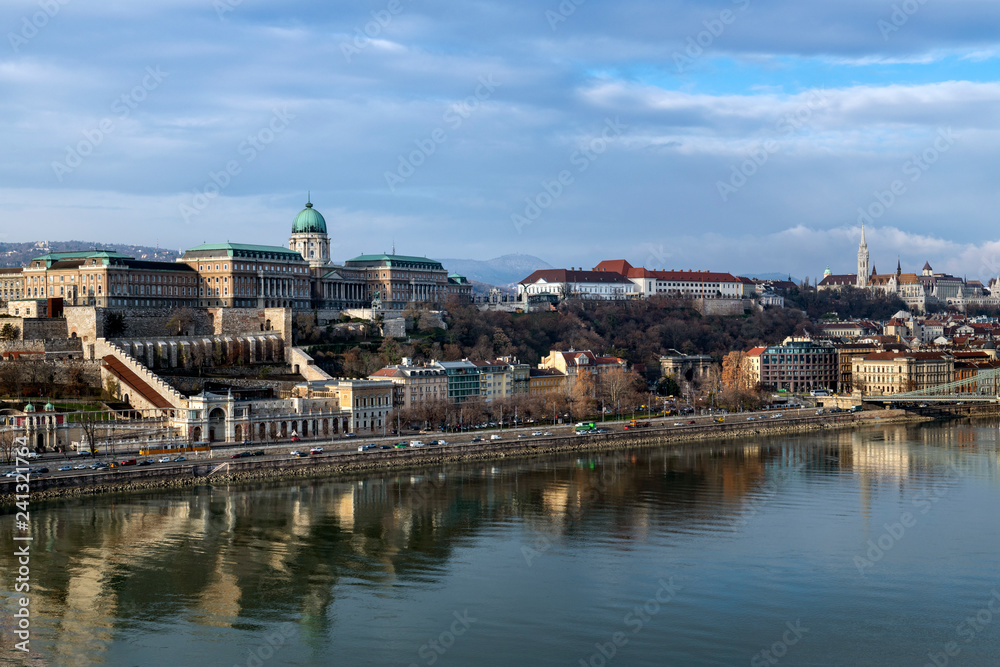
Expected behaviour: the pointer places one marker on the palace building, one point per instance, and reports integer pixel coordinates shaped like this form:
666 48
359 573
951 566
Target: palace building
239 275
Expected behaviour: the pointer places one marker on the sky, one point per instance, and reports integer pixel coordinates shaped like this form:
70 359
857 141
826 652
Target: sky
747 136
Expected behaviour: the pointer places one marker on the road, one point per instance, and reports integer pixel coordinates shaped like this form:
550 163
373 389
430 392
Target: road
222 453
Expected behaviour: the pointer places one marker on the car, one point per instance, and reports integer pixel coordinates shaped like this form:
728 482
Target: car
442 442
923 405
64 468
39 471
536 433
691 422
11 473
416 443
296 453
819 412
777 416
350 435
146 462
33 455
295 438
316 450
385 446
495 437
238 455
164 459
82 466
367 448
180 458
247 443
522 435
401 445
259 452
546 433
477 439
678 423
750 419
97 465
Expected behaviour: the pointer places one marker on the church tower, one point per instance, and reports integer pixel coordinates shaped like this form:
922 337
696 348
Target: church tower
862 259
309 236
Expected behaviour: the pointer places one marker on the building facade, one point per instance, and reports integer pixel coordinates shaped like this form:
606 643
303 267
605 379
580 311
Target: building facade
799 365
883 373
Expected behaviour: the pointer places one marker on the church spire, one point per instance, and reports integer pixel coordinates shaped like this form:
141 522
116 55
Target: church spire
862 280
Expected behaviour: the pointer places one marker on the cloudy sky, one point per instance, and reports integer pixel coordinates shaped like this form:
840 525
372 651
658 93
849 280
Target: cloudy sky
739 135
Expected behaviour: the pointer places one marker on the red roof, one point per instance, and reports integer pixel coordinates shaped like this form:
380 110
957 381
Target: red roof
756 351
687 276
615 266
889 356
572 276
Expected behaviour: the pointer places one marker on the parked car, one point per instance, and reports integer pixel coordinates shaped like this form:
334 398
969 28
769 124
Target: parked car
180 458
295 438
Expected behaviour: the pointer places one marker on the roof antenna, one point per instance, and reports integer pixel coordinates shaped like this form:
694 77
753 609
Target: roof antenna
394 245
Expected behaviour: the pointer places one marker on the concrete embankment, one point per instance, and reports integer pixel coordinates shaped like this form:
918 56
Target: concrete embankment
217 472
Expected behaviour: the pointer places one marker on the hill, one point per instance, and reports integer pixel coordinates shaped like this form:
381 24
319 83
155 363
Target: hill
502 271
19 254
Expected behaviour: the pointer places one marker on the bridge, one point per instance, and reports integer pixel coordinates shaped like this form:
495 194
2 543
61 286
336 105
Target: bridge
983 387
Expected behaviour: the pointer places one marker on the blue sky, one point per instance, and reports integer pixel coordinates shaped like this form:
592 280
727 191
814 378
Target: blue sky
744 135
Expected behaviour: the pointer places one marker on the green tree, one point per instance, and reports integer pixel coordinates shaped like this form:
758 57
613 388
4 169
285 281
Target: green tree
114 324
9 332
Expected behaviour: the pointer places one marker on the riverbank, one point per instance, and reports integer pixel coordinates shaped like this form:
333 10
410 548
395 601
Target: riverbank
332 465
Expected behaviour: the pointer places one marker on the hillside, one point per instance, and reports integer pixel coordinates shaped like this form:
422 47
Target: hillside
19 254
501 271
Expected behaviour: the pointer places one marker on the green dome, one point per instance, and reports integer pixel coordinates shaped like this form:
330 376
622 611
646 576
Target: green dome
308 221
49 407
29 408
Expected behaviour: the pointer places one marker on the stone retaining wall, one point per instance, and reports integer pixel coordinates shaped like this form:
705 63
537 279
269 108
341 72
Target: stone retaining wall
250 470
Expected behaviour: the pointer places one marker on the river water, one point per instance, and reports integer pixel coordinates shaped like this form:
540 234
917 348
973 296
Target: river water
871 547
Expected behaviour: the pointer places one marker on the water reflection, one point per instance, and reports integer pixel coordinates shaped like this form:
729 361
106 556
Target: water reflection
244 558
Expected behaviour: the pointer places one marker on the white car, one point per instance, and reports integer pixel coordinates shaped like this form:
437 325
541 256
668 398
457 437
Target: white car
164 459
494 437
536 433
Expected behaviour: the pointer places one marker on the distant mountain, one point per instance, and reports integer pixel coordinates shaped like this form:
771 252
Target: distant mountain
500 271
19 254
772 276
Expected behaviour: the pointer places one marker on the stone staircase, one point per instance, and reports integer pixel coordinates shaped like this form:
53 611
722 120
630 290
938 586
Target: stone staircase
306 365
137 378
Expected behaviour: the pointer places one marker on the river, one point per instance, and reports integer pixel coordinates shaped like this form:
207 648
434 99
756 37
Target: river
870 547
